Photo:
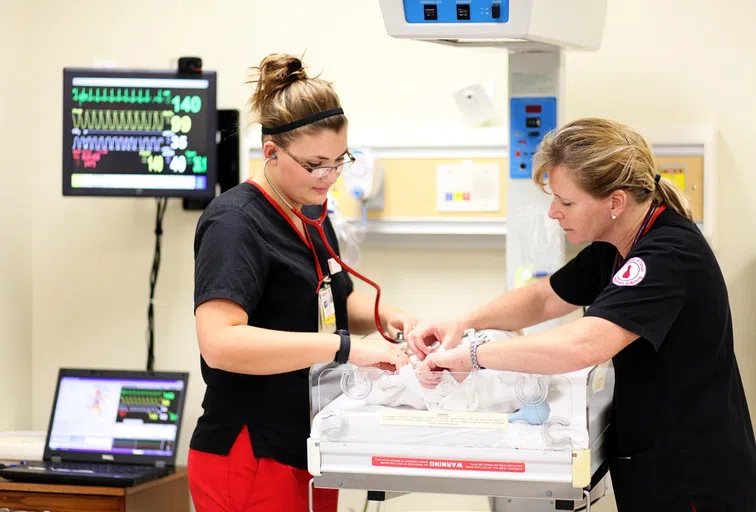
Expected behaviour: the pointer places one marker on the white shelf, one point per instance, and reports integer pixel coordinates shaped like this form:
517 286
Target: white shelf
435 226
432 233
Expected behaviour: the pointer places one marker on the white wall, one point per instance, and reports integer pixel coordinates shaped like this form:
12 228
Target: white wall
671 62
17 139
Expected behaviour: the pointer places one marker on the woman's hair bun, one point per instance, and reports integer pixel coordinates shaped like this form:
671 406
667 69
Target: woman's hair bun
275 73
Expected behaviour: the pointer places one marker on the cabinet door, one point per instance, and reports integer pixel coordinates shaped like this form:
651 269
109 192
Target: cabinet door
52 502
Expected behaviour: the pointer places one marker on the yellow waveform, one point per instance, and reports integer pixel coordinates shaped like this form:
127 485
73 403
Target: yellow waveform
121 120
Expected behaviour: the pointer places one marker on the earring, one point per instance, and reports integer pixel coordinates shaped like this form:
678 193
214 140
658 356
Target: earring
614 217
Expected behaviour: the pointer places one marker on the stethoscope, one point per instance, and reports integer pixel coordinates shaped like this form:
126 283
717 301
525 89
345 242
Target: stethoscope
653 212
318 225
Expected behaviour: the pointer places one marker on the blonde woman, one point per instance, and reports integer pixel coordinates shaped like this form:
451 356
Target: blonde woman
681 436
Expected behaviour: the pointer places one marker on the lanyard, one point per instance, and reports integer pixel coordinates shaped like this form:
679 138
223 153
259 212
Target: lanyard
648 221
321 278
318 224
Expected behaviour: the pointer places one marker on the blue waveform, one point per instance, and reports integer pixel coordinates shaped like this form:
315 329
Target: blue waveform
117 143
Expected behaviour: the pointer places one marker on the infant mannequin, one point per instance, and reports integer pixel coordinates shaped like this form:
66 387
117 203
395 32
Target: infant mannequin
482 390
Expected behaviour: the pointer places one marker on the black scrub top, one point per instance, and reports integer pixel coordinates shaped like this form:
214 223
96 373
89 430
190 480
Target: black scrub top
247 251
681 433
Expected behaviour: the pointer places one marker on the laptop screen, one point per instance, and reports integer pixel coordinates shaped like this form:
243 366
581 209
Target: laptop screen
119 416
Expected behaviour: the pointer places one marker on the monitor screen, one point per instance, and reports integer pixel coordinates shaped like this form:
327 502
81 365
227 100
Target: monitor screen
119 416
139 133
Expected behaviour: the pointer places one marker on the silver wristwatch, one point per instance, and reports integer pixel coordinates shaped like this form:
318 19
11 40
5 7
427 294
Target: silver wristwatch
476 340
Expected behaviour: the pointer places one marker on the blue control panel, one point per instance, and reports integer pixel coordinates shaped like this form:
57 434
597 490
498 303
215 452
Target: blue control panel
456 11
529 120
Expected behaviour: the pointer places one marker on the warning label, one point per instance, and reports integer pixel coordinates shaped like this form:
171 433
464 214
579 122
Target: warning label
460 465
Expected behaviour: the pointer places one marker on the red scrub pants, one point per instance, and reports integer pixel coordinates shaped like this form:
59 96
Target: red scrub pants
239 482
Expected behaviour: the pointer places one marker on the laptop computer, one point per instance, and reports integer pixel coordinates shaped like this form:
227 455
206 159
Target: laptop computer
115 428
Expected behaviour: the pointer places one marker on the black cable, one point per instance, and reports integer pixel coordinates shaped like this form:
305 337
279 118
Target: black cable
162 203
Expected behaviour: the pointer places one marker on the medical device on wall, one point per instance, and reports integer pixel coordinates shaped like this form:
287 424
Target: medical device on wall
534 33
364 181
139 133
364 185
475 104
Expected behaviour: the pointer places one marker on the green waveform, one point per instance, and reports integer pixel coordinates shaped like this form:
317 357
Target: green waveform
141 392
121 120
120 95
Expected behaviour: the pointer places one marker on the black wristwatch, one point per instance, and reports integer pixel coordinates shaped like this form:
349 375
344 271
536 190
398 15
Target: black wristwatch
342 356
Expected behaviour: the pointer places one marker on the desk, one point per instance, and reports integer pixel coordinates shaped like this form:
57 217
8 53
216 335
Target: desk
168 494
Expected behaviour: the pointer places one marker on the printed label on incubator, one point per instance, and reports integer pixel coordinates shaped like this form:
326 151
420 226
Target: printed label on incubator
599 380
450 464
445 419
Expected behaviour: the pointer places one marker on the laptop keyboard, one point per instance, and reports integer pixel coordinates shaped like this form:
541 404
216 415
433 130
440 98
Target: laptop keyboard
88 467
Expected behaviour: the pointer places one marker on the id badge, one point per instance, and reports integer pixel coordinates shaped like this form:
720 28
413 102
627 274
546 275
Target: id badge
326 309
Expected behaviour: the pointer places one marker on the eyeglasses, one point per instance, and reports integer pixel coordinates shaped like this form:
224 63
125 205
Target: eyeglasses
321 171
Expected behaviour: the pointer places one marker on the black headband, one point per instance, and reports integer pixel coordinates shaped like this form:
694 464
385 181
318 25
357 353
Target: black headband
301 122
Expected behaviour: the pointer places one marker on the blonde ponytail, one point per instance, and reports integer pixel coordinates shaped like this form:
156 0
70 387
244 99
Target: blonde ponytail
670 195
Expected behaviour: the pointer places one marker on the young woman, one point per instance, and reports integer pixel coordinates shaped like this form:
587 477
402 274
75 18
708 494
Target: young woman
271 301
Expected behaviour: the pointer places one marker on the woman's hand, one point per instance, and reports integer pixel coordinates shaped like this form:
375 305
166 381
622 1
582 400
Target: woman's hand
377 353
401 322
446 334
457 361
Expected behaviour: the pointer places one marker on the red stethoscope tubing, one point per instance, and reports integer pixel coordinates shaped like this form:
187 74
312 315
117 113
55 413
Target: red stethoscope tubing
318 224
653 212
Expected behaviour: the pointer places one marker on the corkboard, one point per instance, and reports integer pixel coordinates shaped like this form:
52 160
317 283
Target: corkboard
410 186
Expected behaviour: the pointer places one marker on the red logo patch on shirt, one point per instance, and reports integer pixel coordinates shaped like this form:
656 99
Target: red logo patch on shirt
631 273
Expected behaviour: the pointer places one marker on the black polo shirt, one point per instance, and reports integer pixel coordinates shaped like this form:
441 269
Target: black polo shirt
681 429
248 252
